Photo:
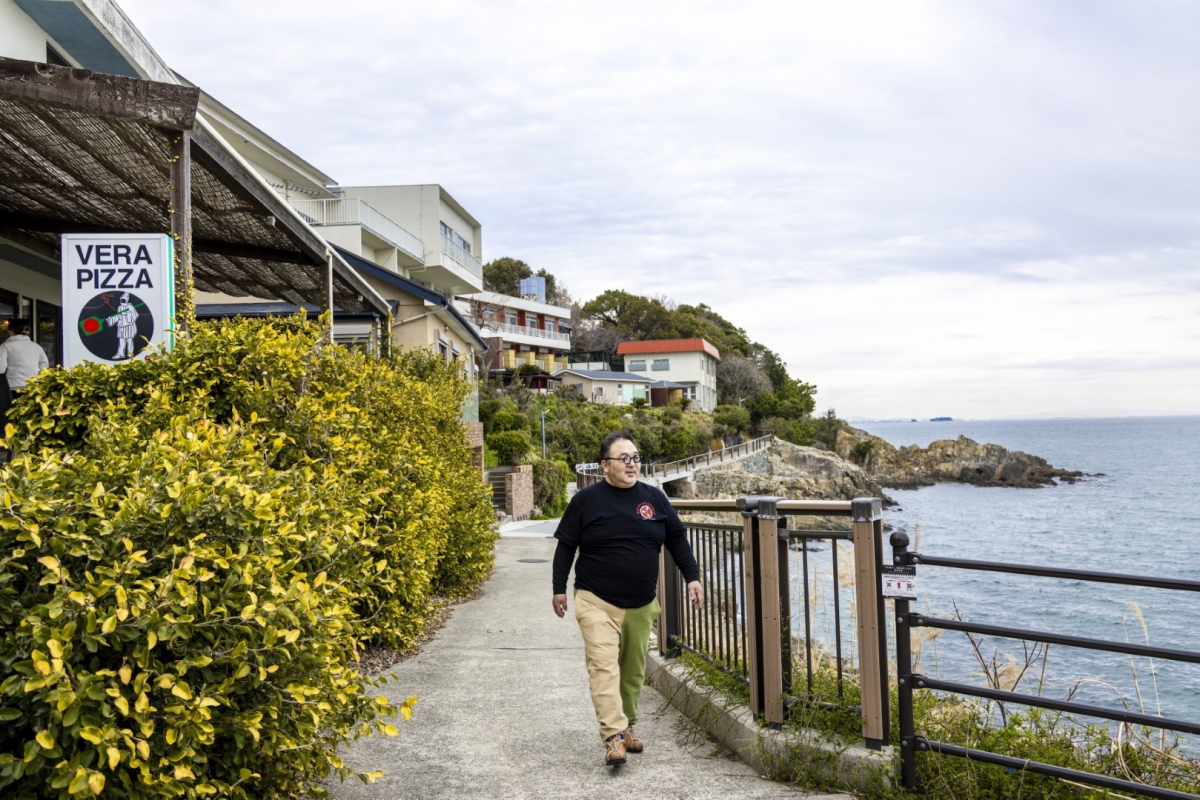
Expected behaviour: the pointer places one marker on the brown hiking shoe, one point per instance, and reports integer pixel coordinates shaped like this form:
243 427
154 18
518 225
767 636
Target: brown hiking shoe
614 750
632 743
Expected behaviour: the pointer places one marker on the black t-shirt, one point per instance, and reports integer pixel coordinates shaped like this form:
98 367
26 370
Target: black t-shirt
619 533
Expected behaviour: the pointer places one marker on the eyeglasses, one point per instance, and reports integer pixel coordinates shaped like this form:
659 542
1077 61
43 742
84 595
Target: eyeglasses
626 460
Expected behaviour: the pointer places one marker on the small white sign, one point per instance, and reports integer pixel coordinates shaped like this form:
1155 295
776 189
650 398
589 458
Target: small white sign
118 295
899 583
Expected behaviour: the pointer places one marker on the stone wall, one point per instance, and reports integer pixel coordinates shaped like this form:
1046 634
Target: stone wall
518 492
474 434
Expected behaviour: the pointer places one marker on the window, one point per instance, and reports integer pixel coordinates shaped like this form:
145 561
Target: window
638 365
55 57
690 392
550 325
450 234
598 391
512 318
661 364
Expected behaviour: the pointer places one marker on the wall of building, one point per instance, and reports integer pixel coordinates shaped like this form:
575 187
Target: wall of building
696 367
20 36
27 282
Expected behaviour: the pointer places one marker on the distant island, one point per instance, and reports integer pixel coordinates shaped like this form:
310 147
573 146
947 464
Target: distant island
942 419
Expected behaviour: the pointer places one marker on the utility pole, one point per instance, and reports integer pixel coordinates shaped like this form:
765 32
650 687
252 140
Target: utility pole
543 434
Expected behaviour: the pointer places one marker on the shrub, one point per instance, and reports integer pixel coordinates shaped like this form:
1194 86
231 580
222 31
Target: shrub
732 418
192 548
861 450
509 421
509 446
550 479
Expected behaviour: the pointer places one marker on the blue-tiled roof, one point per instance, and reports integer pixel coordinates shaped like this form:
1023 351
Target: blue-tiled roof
606 375
412 287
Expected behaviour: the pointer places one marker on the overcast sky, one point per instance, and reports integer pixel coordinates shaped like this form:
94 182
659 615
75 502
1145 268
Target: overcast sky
974 209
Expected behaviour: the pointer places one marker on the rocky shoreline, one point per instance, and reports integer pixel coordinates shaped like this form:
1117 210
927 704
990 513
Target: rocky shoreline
863 465
960 460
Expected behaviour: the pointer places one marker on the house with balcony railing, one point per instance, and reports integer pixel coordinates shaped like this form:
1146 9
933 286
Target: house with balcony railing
437 242
519 330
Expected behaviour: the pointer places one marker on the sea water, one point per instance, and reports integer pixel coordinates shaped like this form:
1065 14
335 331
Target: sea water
1139 516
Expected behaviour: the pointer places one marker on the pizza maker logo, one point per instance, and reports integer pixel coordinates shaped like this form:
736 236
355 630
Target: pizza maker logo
116 326
645 511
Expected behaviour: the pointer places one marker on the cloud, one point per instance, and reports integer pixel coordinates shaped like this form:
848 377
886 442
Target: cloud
951 190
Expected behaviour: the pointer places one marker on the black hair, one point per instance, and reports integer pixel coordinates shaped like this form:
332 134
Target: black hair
18 326
613 437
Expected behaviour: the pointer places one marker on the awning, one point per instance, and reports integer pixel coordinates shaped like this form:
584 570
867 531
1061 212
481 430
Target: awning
667 385
86 152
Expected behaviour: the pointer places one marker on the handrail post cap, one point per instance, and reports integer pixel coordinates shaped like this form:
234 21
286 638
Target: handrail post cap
899 539
866 509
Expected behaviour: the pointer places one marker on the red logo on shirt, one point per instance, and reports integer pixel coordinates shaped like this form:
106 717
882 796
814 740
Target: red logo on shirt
645 511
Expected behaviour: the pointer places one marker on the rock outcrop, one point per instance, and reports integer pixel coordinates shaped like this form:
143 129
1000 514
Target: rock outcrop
783 470
960 460
864 465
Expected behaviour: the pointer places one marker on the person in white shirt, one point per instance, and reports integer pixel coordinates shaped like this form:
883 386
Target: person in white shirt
20 357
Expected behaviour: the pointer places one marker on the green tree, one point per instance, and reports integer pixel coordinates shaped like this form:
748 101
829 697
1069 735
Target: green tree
504 275
701 322
634 316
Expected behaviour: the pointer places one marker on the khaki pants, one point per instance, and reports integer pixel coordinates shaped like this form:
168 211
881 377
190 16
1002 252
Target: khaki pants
614 641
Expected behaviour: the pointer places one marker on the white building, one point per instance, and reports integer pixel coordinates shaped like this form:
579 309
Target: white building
691 363
608 387
519 330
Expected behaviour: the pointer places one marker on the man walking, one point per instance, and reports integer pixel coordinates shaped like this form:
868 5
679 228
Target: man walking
618 527
20 357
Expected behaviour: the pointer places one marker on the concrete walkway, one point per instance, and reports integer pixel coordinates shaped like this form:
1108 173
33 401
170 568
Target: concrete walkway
504 712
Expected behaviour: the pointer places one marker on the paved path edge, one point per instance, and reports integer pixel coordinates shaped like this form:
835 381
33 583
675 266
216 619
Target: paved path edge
805 757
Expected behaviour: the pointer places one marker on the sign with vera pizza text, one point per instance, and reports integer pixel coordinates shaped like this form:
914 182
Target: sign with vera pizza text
118 296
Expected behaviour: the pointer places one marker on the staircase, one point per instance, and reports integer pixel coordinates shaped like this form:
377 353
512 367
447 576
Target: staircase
495 477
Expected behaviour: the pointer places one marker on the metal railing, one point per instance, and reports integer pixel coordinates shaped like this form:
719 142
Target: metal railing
355 211
461 256
587 474
911 743
526 330
747 627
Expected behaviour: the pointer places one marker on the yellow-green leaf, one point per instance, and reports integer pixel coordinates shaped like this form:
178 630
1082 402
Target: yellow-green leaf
45 739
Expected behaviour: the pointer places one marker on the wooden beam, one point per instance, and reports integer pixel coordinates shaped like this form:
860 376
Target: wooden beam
163 105
30 222
872 658
230 250
27 222
229 172
181 228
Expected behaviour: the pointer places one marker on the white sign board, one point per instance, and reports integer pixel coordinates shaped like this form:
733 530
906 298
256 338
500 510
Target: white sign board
118 295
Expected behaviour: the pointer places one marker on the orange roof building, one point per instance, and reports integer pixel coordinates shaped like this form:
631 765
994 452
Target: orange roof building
689 362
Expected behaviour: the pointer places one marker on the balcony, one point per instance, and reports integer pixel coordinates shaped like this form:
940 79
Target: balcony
461 257
525 330
353 211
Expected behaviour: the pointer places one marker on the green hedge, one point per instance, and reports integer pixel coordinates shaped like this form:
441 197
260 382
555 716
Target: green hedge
194 547
550 479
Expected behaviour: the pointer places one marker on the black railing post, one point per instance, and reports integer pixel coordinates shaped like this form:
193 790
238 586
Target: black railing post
908 765
672 610
785 607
